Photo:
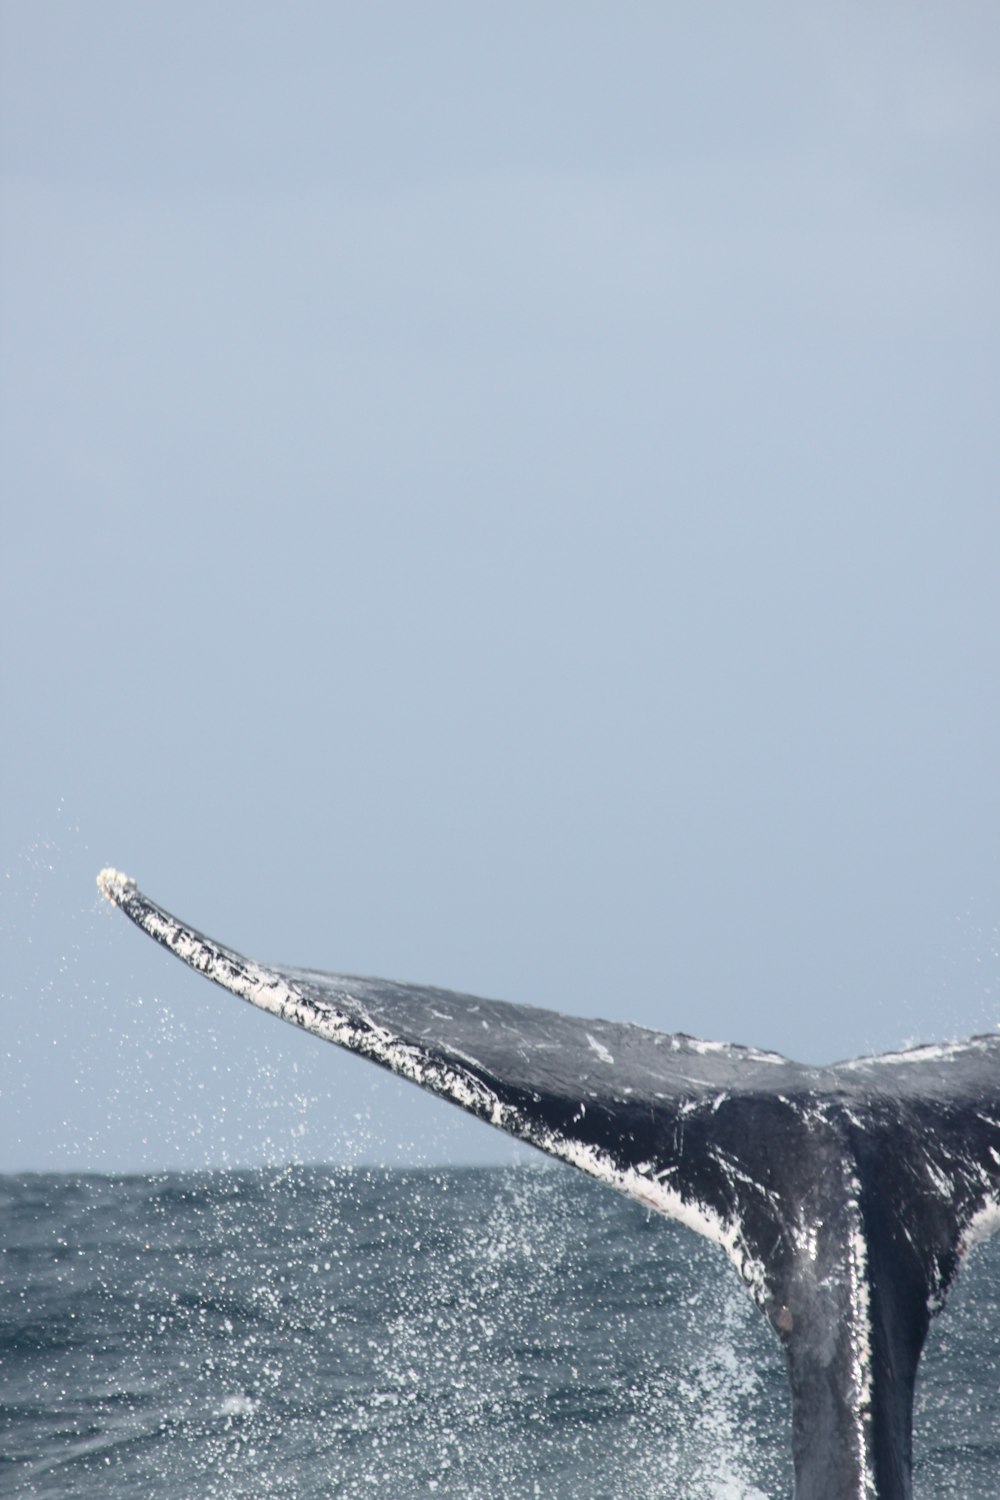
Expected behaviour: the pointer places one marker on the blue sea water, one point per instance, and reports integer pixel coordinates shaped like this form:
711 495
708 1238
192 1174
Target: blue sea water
310 1332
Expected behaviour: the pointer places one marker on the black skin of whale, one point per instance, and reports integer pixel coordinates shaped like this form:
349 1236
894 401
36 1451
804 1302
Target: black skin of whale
844 1195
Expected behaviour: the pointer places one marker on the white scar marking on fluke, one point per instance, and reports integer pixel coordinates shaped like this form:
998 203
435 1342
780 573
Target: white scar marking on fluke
269 991
932 1052
859 1293
707 1049
938 1178
599 1048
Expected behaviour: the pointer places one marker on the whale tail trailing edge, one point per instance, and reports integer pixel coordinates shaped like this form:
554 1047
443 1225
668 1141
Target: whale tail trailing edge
844 1196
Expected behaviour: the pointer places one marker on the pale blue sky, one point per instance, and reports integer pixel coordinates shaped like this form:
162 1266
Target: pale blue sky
500 496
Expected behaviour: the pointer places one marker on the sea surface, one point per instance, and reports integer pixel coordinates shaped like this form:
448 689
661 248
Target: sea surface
508 1332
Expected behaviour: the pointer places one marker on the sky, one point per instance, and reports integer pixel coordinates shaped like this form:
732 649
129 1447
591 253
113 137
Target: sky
497 496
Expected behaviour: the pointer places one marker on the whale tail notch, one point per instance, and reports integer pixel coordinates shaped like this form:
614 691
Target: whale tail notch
845 1196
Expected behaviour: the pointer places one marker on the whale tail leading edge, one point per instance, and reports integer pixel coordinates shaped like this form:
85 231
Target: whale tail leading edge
845 1196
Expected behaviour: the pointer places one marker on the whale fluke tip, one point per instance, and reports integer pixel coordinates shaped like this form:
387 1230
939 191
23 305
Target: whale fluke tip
115 885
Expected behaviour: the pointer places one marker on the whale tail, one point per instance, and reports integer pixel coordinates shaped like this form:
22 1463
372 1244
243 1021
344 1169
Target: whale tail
844 1196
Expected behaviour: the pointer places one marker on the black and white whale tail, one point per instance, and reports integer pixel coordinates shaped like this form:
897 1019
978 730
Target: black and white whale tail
845 1196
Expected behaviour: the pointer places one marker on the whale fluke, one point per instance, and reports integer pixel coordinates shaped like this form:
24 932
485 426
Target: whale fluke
845 1196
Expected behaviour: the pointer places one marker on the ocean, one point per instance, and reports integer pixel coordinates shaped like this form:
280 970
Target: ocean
304 1332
